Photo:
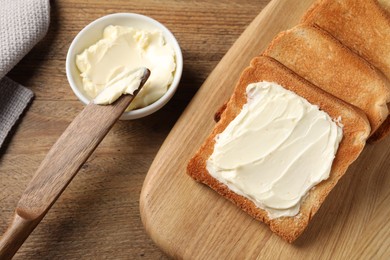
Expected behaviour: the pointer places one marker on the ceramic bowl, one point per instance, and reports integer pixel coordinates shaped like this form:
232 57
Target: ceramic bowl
93 33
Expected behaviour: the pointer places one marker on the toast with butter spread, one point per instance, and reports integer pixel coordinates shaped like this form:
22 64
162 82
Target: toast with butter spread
356 129
319 58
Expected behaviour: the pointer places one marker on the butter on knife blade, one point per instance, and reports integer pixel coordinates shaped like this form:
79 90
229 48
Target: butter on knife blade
125 82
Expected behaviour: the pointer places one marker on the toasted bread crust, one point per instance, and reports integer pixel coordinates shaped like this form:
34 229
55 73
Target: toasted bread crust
382 132
356 130
363 26
218 114
319 58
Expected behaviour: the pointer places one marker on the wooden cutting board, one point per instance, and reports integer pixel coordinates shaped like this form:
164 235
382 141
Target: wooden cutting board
188 220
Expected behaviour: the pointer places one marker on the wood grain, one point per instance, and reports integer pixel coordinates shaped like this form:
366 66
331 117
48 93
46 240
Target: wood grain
189 220
98 215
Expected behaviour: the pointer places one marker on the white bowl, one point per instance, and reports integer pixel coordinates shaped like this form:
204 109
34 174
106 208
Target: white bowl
93 32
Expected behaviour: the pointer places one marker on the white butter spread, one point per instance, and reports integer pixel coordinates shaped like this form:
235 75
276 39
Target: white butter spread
277 148
121 51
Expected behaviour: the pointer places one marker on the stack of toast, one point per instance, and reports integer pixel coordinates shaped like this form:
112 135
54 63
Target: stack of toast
338 59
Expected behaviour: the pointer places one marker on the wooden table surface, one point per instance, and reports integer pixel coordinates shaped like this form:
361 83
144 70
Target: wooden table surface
98 214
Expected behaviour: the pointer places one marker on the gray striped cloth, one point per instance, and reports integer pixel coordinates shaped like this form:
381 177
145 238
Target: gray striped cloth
22 24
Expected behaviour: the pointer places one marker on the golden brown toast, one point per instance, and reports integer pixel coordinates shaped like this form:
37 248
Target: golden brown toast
319 58
356 130
362 25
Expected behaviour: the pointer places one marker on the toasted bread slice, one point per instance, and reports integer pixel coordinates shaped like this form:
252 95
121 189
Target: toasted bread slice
356 130
362 25
319 58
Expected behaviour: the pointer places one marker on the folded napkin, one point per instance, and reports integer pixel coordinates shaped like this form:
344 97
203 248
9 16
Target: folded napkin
22 24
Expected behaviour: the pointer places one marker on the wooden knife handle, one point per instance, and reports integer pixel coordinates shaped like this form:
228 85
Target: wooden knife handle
58 168
15 235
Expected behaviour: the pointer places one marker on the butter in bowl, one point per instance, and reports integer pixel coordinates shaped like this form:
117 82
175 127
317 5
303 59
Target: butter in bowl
103 57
